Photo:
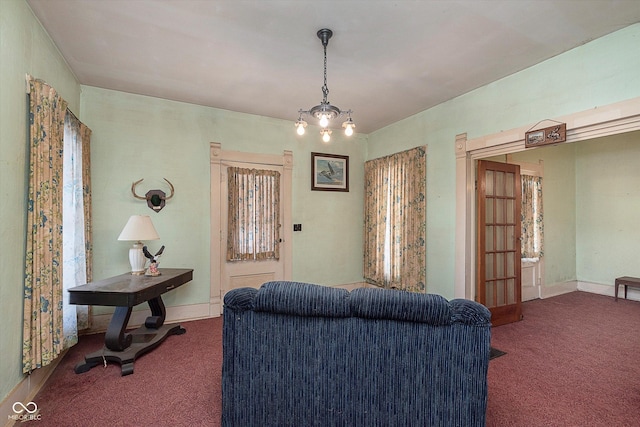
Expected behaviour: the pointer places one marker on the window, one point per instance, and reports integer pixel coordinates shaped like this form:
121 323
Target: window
75 202
56 218
254 214
395 221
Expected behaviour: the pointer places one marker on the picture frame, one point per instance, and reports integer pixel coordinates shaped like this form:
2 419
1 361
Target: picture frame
329 172
549 135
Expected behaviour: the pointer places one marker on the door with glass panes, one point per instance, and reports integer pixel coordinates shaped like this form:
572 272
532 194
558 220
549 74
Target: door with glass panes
498 285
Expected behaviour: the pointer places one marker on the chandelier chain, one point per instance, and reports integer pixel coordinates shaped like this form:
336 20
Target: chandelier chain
325 89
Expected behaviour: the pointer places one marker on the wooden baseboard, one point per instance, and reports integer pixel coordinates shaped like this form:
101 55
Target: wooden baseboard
558 289
608 290
591 287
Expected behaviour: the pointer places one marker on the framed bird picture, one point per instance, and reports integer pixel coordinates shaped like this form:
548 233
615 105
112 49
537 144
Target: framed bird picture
329 172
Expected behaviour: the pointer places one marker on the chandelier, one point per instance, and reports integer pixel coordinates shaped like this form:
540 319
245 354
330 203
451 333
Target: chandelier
325 112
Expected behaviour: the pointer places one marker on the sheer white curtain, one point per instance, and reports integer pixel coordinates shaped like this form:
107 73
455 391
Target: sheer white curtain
74 242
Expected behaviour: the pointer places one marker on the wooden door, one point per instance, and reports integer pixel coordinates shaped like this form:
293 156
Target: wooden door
498 255
249 273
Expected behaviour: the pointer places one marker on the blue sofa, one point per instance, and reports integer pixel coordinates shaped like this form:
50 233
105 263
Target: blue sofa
298 354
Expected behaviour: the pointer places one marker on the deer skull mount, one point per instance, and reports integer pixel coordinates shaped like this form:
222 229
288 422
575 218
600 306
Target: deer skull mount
155 198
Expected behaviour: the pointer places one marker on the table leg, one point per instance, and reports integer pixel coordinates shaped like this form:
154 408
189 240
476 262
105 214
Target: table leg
615 291
115 338
158 313
124 347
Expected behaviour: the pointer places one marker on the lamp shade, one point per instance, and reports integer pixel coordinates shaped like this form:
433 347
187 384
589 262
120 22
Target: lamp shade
139 227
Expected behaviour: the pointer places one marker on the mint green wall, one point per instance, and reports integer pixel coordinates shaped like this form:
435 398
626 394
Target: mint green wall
24 48
142 137
559 190
598 73
559 198
608 208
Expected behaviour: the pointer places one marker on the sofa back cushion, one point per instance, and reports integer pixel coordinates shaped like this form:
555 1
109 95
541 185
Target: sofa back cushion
302 299
372 303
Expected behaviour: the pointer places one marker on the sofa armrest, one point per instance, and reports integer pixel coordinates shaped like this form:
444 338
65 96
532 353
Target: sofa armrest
470 312
240 299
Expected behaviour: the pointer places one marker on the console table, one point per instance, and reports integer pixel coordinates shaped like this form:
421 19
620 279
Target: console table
124 292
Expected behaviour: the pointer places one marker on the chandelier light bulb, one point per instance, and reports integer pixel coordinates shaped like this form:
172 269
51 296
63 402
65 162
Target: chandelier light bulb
324 121
348 130
326 135
348 126
300 125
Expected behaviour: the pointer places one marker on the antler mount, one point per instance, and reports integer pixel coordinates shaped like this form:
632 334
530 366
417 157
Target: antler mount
155 198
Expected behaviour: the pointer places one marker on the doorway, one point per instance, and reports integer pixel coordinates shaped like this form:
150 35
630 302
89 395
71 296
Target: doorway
225 275
603 121
246 270
532 240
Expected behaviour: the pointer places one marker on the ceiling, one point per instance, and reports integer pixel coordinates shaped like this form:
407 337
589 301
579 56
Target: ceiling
387 60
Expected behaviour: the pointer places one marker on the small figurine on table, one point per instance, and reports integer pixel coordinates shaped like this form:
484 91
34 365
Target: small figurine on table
153 261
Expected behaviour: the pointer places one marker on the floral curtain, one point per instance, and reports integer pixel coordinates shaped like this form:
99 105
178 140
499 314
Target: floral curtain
532 217
43 339
85 136
395 221
254 214
45 331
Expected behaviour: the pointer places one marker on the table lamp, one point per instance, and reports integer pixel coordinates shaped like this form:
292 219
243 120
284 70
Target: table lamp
137 229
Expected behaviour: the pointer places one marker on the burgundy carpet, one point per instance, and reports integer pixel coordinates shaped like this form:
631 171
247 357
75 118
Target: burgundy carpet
573 361
176 384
